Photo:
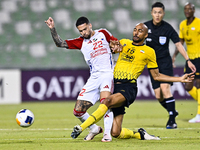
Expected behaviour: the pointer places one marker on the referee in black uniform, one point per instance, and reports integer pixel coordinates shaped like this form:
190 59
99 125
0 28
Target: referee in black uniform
159 34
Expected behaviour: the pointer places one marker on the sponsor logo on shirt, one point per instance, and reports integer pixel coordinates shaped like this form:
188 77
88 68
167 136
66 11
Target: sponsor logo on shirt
127 58
98 52
162 40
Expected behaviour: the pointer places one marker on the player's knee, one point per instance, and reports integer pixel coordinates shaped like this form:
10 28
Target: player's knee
188 87
115 133
78 113
198 83
107 101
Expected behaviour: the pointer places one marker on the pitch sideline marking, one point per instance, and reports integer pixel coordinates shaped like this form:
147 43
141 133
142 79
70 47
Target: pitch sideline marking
57 129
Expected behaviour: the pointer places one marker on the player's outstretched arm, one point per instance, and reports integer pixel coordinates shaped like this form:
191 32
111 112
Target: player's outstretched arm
188 77
164 78
57 40
115 46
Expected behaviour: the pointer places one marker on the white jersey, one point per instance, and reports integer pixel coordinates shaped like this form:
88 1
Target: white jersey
96 50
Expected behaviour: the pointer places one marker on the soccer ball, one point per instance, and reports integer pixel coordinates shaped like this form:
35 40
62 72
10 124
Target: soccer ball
25 118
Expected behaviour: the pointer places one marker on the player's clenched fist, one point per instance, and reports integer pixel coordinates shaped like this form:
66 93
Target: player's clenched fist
50 23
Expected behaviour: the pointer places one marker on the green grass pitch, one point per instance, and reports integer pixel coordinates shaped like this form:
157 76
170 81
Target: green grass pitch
54 122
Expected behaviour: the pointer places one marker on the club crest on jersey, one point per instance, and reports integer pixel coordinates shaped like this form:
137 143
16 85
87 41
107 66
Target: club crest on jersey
162 40
149 31
94 40
193 28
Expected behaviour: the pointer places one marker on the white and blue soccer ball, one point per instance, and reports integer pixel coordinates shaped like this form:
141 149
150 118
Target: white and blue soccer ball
25 118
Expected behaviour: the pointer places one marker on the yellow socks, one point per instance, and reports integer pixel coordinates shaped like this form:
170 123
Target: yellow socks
127 134
193 92
198 100
95 117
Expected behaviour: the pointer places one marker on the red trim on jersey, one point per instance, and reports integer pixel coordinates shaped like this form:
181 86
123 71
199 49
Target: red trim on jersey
75 43
108 35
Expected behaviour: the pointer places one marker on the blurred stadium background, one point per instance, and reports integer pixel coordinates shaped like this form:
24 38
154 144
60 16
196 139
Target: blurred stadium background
26 43
33 68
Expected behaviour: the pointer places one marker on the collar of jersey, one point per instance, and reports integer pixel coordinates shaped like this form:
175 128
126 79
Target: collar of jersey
154 26
138 45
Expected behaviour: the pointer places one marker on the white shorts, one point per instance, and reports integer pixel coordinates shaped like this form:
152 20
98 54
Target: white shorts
95 84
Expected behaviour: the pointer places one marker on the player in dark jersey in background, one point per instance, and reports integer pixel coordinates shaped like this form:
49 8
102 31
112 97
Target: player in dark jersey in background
159 34
189 32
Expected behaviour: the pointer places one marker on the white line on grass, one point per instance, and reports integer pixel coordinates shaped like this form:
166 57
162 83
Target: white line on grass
185 137
31 139
34 139
36 129
57 129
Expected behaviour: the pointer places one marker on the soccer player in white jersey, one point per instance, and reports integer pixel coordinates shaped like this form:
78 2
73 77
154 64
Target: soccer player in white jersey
94 44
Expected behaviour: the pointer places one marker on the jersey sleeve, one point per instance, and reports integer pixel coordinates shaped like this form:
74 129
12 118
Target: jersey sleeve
75 43
174 35
122 41
180 31
151 60
108 35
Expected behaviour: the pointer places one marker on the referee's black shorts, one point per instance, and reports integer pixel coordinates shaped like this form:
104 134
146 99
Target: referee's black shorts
196 62
129 91
165 67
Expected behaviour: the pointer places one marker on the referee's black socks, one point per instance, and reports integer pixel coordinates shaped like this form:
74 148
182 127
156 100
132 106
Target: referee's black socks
170 103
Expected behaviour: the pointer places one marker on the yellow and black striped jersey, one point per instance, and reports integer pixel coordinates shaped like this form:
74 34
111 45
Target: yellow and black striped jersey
191 34
133 59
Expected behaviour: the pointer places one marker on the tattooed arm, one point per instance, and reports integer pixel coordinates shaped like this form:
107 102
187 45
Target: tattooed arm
58 41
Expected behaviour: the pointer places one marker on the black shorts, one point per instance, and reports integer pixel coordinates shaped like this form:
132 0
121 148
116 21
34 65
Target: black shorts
165 67
196 62
129 91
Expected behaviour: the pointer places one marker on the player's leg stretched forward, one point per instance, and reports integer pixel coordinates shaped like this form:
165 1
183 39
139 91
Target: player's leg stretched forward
80 109
124 133
115 100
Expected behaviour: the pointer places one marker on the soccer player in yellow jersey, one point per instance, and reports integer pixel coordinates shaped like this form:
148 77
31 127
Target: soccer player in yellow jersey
189 32
130 64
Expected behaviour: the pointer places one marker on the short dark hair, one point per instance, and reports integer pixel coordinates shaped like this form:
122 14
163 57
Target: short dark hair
158 4
82 20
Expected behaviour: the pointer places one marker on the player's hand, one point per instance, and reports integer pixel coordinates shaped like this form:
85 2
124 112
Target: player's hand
191 66
115 46
187 77
50 23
